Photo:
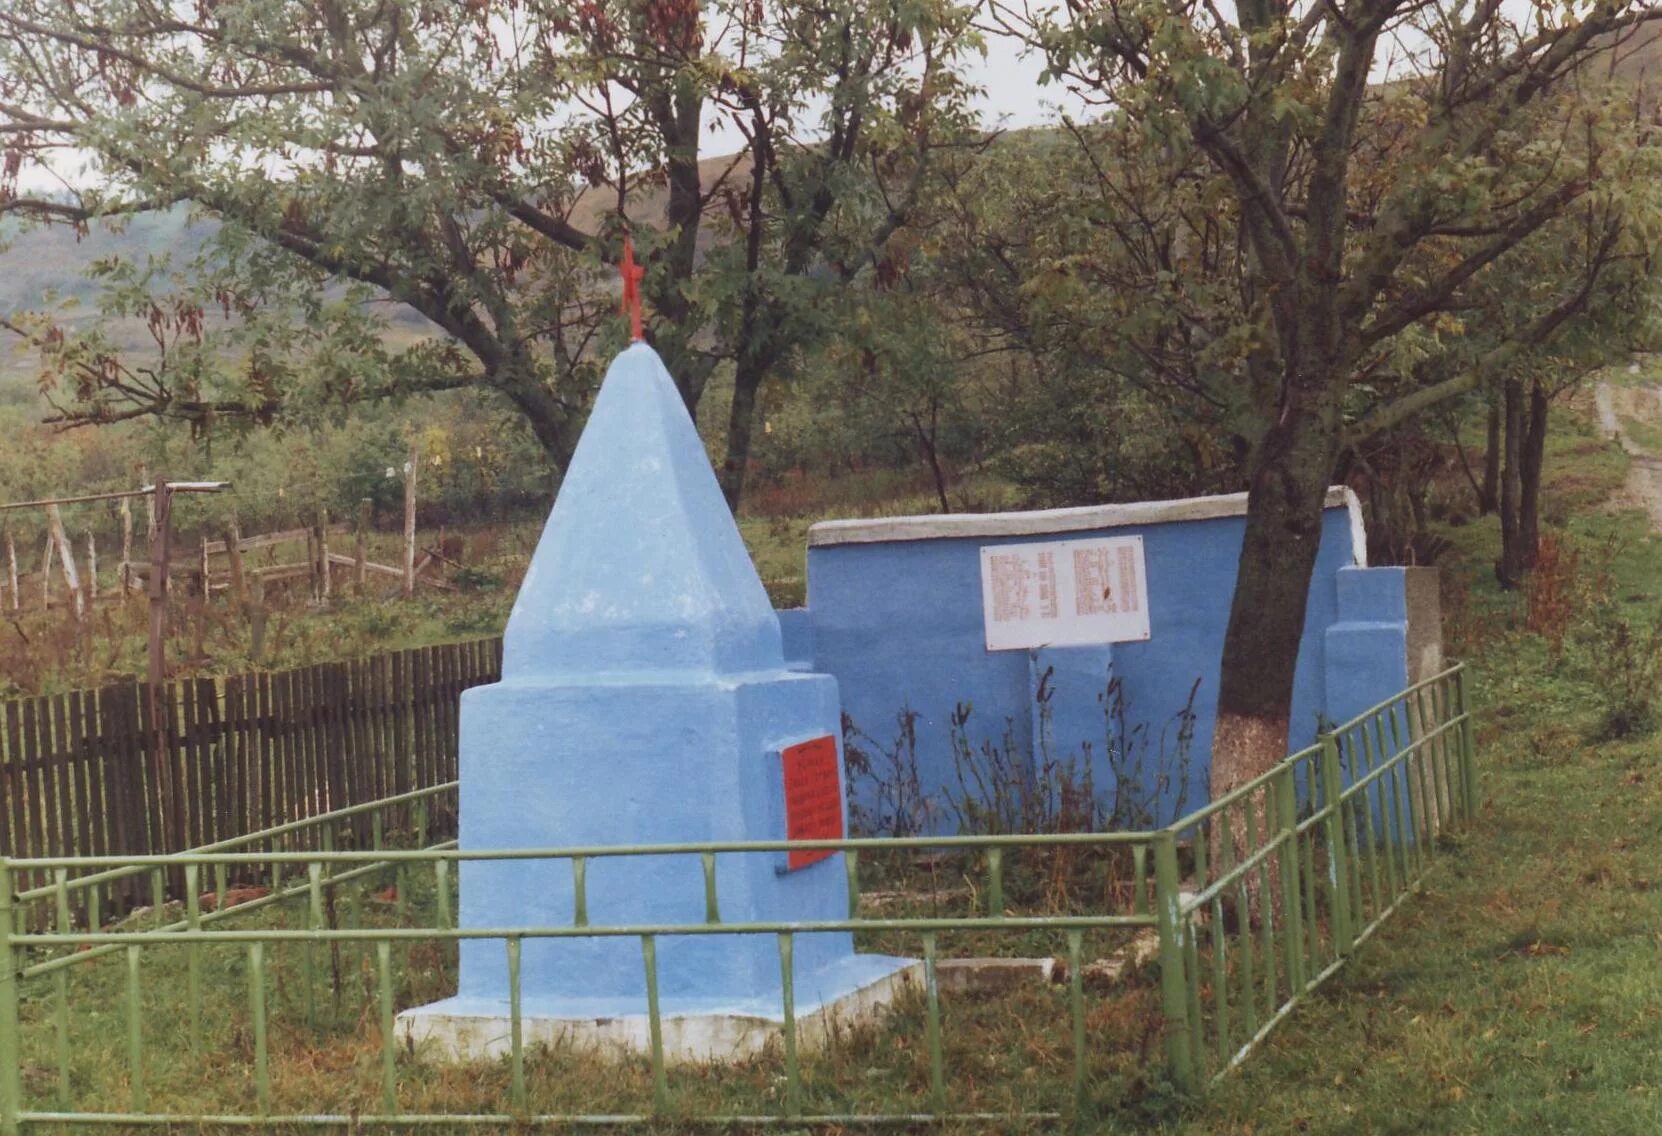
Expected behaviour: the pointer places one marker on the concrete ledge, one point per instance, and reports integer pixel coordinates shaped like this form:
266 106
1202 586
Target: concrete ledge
461 1030
1046 522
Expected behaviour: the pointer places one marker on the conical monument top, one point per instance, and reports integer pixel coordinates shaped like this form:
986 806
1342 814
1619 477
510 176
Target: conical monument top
641 567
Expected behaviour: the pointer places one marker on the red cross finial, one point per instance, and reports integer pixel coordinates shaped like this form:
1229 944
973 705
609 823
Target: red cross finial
632 274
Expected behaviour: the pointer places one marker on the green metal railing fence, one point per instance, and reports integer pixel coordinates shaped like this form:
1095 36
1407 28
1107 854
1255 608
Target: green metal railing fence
1295 868
1254 900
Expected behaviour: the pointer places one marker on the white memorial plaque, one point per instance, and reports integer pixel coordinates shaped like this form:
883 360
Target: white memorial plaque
1065 593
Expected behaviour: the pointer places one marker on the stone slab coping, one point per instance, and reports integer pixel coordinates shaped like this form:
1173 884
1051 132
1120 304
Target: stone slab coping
1045 522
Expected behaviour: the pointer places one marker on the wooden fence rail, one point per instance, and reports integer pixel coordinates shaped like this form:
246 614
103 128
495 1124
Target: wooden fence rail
79 775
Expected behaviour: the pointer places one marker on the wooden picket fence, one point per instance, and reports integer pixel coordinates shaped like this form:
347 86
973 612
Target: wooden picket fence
79 773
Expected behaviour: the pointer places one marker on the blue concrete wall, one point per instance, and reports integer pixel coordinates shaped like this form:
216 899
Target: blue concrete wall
899 624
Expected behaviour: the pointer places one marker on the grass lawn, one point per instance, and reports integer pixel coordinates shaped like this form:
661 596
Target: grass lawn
1522 991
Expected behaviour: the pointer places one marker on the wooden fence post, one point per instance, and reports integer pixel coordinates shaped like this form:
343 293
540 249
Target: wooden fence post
11 570
126 548
66 557
92 566
361 552
410 471
256 620
161 501
324 576
46 573
233 552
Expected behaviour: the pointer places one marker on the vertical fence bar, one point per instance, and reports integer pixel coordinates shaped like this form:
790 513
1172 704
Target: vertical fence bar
787 986
516 1032
1220 960
60 982
1305 845
1173 986
1405 848
1076 1009
1365 805
135 1036
1266 909
1406 754
1383 840
712 906
1338 853
1413 755
11 1057
308 955
256 1005
995 883
1292 931
1139 879
655 1024
1243 932
1430 762
851 869
158 897
389 1038
580 891
193 953
441 885
932 1028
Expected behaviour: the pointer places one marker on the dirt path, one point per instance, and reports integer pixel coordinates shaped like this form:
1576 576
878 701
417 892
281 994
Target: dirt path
1644 479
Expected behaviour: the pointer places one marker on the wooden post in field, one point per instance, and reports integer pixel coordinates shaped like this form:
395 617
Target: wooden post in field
410 517
149 508
256 619
161 542
66 558
92 566
360 554
205 589
233 552
126 548
311 561
46 573
11 570
324 576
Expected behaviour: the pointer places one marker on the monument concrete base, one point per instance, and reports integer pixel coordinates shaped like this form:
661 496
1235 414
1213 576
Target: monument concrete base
853 992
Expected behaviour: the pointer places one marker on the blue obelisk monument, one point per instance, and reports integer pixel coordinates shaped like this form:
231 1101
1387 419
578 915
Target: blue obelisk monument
644 700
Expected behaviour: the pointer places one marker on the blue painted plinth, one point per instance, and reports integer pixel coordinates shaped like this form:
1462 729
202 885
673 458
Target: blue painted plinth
645 700
580 765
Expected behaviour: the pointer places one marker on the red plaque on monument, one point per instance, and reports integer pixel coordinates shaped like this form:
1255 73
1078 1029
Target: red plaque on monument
813 798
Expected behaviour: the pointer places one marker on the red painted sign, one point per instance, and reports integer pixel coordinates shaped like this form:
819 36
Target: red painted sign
813 798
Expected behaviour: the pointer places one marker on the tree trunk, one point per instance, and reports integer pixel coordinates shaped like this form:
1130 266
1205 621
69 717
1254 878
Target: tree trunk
1266 617
1511 569
1529 478
741 418
926 443
551 422
1488 498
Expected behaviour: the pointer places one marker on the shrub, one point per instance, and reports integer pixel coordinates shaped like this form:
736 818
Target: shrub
1624 661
